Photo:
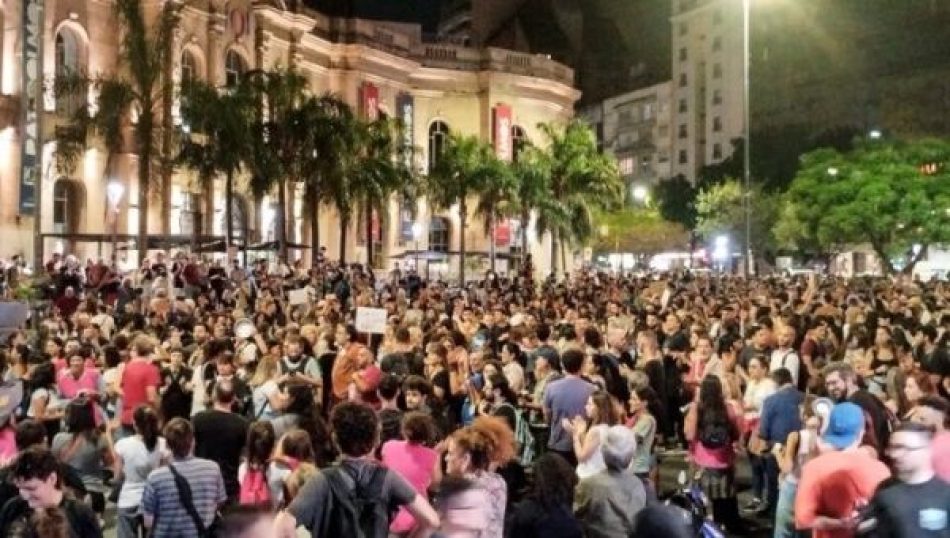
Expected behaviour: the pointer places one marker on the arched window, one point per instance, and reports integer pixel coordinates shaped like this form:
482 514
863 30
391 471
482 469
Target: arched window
189 67
234 67
67 205
439 234
238 218
518 141
438 136
69 61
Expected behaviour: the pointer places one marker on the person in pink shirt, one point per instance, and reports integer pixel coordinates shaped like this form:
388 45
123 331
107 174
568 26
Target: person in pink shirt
78 379
11 395
414 461
140 381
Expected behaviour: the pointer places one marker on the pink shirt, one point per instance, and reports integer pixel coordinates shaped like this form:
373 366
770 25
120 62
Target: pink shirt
941 455
716 458
69 386
7 444
415 463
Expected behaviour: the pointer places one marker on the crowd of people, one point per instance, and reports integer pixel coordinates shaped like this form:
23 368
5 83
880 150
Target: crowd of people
210 399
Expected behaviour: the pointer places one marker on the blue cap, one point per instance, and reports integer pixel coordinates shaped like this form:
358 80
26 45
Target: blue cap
845 424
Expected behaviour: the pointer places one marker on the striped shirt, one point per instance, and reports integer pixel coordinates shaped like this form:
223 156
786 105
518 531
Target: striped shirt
161 500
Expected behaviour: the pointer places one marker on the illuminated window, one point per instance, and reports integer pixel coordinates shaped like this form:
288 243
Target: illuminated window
438 136
439 234
234 68
189 67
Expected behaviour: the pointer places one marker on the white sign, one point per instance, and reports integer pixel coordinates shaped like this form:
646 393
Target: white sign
299 296
371 320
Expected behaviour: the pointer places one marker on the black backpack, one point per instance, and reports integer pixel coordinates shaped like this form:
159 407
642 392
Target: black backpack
715 435
357 509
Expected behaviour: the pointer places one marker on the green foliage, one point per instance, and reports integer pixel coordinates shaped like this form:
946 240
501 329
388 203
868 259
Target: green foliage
720 210
639 230
880 193
676 200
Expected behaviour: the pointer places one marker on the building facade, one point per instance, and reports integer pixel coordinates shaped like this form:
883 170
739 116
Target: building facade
377 67
635 128
707 74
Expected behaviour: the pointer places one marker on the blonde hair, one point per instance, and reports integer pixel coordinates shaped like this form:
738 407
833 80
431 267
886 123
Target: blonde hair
267 368
295 482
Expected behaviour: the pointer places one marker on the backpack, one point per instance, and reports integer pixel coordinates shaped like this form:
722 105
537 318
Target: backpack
357 509
254 490
523 437
715 435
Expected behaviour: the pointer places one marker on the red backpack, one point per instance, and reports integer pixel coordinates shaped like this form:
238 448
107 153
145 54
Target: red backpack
254 490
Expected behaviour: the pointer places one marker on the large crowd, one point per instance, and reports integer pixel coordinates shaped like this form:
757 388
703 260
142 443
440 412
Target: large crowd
211 399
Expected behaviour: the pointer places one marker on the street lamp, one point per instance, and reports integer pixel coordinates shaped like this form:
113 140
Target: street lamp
640 193
416 234
721 250
832 171
875 134
114 192
746 152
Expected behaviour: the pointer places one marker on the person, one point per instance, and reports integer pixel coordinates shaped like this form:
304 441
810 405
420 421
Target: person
799 447
547 510
245 522
140 382
355 432
607 503
261 478
778 419
300 367
268 400
136 457
45 406
841 479
415 461
916 387
220 435
712 428
176 386
784 355
36 475
389 413
588 432
83 447
163 510
566 398
916 504
759 386
841 382
644 406
934 411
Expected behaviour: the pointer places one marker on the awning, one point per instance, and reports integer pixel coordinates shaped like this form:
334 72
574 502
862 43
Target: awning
154 241
275 246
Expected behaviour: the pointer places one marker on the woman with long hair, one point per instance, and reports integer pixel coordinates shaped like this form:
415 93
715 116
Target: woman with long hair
547 510
916 387
45 405
301 412
85 448
266 397
135 458
645 406
415 460
259 465
800 446
589 431
712 428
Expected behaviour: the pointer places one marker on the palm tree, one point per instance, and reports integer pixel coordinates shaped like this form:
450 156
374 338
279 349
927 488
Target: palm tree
533 193
380 171
497 197
143 86
465 165
581 180
216 140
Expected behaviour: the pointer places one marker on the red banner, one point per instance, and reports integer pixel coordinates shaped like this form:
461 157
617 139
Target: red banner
501 131
370 101
502 233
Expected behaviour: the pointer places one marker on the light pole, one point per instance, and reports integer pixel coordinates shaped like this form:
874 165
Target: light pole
640 194
747 143
416 234
114 191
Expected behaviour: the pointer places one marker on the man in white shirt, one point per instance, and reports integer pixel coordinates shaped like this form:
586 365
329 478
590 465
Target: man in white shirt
784 355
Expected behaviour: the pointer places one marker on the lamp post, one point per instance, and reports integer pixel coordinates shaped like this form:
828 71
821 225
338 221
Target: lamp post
747 143
114 192
416 234
640 194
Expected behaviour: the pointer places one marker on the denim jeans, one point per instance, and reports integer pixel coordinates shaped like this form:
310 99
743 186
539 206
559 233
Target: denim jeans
128 523
785 511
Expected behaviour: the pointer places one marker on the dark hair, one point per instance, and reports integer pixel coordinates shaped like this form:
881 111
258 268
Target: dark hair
500 382
28 433
81 418
296 444
711 407
36 462
260 442
915 427
554 481
593 338
146 424
355 428
179 435
572 360
44 376
544 332
647 395
418 428
388 387
782 376
224 391
418 384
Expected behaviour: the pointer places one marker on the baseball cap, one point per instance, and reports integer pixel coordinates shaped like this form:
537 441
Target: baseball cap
845 424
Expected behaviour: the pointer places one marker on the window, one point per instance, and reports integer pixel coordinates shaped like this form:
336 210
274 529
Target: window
717 70
682 158
518 141
682 80
60 204
717 44
439 234
189 213
438 135
682 107
683 133
683 28
189 67
234 67
683 54
717 97
648 111
663 158
67 205
239 220
717 124
70 61
626 166
717 151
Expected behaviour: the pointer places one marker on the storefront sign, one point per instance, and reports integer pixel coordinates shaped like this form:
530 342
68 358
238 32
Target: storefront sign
31 97
502 233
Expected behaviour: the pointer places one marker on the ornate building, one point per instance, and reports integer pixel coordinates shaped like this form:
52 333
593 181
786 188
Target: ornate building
377 67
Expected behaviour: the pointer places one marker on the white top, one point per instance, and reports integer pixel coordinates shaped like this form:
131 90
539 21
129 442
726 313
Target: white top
595 463
276 475
755 394
786 358
260 396
137 463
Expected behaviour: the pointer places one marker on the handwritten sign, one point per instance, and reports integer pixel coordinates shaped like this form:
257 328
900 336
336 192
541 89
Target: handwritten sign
297 297
371 320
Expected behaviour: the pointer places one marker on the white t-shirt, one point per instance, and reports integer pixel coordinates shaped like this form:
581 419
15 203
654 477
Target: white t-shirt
595 463
788 359
276 475
137 463
260 397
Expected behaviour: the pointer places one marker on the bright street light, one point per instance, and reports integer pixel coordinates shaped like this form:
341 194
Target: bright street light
875 134
640 193
416 230
832 171
114 192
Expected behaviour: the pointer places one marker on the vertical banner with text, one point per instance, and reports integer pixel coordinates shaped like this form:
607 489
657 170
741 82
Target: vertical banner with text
405 110
30 172
501 131
369 99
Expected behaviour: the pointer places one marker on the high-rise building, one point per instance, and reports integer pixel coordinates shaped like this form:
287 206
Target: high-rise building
707 74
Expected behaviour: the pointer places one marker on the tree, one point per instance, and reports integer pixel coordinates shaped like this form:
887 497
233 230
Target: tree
139 86
497 197
891 195
464 167
639 230
581 180
532 189
216 140
676 200
720 210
